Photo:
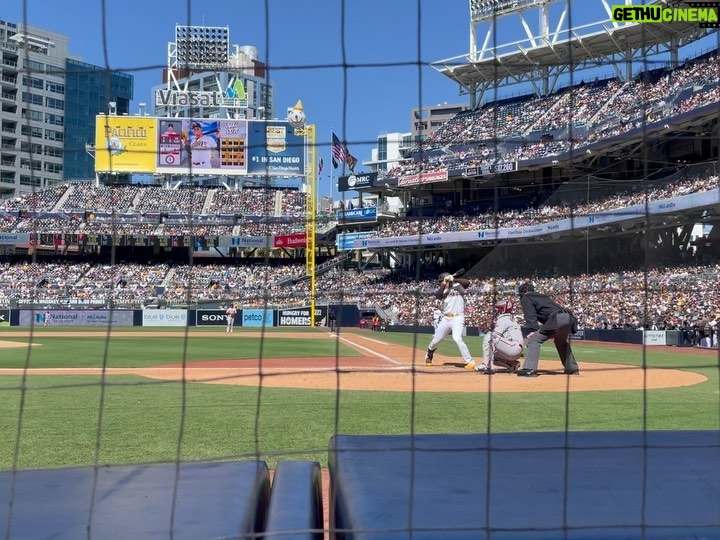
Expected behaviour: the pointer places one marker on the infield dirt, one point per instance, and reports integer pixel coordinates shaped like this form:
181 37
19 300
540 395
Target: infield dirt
383 366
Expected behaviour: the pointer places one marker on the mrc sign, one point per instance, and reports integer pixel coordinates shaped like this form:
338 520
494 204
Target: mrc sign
233 96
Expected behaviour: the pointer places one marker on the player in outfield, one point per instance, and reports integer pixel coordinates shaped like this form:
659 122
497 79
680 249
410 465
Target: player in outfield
230 315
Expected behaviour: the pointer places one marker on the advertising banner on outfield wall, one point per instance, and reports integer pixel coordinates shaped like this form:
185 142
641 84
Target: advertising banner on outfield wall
655 337
4 317
212 317
256 317
75 317
125 144
164 317
300 316
11 239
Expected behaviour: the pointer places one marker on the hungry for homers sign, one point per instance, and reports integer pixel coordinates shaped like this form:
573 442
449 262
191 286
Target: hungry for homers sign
300 316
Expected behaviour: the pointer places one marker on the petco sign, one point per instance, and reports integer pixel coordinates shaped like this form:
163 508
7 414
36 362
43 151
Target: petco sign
257 317
164 317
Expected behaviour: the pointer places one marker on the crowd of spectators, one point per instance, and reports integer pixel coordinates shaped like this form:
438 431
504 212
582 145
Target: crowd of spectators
599 201
549 211
135 199
674 297
570 119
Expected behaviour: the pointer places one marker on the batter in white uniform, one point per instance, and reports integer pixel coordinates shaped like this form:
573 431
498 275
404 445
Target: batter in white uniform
452 294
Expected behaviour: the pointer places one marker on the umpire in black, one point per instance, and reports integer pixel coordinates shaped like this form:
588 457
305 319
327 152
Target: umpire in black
548 320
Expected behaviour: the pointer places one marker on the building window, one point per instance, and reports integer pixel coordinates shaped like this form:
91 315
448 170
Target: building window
53 151
54 119
55 87
28 164
33 65
32 131
52 135
32 114
33 82
55 103
34 147
26 180
54 70
53 167
33 99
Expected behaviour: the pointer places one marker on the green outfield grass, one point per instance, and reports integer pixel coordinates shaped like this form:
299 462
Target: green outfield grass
66 351
145 421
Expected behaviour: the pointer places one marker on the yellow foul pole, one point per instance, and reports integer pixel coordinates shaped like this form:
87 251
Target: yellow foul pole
310 211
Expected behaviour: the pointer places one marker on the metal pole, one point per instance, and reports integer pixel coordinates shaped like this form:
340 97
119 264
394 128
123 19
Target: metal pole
310 213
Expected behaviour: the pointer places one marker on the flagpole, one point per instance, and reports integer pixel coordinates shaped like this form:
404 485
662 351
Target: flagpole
331 167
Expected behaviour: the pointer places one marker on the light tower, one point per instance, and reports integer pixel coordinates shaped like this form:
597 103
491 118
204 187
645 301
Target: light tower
296 118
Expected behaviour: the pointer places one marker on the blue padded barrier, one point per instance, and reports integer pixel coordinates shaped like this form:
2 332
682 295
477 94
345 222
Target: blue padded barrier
295 511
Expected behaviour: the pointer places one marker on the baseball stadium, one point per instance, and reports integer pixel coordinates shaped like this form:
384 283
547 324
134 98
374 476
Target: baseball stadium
510 330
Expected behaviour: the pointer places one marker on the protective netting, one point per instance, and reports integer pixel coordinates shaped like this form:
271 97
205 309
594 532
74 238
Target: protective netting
596 181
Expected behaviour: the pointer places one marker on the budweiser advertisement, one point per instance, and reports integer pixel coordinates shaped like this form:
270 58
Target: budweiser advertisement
290 240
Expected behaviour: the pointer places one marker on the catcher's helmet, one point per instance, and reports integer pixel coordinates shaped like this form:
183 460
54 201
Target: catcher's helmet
443 276
505 306
526 288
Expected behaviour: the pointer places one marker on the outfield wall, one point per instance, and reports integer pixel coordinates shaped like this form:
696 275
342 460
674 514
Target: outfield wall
347 316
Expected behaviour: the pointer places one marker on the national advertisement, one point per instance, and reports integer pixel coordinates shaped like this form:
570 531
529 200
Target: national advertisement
75 317
164 317
4 317
274 149
125 144
245 241
11 239
300 316
202 146
256 317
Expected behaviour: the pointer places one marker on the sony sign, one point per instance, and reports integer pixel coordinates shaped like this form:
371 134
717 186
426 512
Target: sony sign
198 98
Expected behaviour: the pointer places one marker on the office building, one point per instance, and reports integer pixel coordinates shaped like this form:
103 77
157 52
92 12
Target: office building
48 101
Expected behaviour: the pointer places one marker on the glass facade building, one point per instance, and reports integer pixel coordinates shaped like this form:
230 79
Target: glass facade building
88 90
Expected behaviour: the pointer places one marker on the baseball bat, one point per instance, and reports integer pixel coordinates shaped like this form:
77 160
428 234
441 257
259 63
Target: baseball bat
459 272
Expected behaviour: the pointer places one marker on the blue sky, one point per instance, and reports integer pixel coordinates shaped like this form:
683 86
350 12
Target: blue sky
303 43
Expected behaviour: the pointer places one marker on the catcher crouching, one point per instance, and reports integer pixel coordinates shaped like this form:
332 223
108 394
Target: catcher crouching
503 345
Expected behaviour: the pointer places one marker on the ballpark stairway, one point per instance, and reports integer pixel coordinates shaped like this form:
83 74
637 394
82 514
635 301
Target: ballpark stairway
208 201
61 200
324 268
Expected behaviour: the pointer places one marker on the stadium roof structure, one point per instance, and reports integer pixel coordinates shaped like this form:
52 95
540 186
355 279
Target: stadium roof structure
544 58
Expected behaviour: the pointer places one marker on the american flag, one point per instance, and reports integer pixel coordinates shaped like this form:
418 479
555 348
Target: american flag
338 151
